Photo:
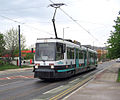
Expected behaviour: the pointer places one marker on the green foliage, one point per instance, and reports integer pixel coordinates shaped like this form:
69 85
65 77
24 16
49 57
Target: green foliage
1 62
2 45
29 56
12 42
114 41
118 79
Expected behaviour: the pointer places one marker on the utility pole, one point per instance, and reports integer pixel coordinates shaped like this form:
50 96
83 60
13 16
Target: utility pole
55 5
19 47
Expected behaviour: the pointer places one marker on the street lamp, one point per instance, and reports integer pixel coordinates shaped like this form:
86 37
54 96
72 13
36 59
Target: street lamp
64 31
105 49
105 45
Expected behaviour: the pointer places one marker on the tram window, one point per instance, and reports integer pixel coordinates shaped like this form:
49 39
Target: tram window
92 55
70 53
63 48
59 51
89 55
84 54
77 53
95 56
80 55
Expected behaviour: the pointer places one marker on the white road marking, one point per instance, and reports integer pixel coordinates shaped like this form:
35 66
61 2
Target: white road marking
50 91
74 80
58 89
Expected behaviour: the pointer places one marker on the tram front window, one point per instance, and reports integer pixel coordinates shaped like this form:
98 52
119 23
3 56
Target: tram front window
45 52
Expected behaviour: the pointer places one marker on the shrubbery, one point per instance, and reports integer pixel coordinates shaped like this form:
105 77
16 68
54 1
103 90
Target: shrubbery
29 56
1 62
118 79
4 61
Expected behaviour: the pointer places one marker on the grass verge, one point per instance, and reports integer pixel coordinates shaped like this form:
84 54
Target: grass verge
6 67
118 79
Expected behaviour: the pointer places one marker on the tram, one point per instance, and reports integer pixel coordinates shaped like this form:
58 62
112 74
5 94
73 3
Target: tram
61 58
57 58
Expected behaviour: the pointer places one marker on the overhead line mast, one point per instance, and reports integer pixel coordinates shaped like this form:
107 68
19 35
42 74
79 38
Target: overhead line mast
55 5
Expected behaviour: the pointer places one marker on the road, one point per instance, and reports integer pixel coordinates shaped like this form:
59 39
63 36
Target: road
20 85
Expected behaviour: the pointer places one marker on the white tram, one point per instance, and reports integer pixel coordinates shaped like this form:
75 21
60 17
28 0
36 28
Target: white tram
59 58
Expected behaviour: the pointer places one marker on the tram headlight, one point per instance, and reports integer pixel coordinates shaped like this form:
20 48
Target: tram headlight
36 66
52 66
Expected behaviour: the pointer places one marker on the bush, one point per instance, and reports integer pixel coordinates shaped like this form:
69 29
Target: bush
118 79
4 61
29 56
1 62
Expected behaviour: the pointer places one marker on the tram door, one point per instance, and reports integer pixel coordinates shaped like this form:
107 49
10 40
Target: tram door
77 58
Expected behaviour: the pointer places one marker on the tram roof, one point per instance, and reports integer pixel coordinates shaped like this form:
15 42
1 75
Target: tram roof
65 41
46 40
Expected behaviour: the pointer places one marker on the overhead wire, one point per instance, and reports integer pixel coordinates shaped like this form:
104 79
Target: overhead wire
24 24
11 19
14 9
76 22
94 23
48 32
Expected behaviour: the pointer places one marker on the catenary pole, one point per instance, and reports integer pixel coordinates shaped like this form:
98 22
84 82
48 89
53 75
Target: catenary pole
19 46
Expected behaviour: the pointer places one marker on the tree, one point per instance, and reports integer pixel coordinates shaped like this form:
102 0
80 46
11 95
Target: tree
29 56
114 41
2 44
12 42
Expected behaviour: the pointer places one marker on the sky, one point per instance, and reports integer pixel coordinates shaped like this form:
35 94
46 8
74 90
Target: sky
95 19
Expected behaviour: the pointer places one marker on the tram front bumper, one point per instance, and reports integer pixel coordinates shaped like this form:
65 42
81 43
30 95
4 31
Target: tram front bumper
44 73
49 73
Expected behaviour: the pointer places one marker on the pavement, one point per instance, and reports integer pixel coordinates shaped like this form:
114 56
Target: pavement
102 87
14 70
10 74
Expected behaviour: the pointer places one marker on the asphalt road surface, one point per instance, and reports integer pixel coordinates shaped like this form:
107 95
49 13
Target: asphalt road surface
20 85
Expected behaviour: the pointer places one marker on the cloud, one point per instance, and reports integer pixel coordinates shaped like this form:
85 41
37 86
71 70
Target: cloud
95 16
25 8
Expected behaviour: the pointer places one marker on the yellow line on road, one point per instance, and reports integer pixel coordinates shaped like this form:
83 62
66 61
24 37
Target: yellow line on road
70 89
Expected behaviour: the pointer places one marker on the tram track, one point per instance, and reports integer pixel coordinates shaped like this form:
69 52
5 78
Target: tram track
31 87
87 78
31 91
69 90
37 89
61 91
